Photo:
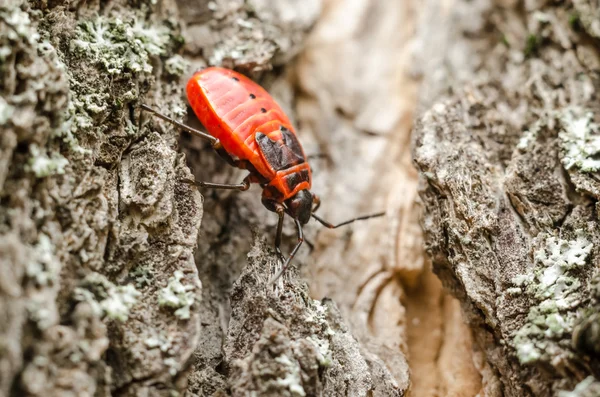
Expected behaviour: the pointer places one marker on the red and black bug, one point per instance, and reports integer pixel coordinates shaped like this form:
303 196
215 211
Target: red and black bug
250 131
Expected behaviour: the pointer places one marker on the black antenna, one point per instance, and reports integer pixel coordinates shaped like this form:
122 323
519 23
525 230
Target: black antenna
359 218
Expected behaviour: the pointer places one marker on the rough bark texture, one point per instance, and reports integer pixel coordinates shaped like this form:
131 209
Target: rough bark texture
120 279
107 286
506 146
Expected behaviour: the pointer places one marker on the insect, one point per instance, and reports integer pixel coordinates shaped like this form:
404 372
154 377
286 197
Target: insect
248 129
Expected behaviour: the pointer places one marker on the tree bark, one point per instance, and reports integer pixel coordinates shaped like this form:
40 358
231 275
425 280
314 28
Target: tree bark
120 279
506 147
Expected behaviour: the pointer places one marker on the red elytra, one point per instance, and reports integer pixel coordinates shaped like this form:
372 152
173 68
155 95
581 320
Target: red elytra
250 131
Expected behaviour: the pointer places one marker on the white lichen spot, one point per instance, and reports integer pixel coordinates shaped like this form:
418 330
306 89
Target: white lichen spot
292 380
318 315
143 276
528 137
120 301
439 108
84 295
561 255
555 291
42 165
39 312
176 65
580 140
6 110
43 267
178 296
522 279
555 324
324 356
514 291
105 298
179 111
172 365
245 23
19 25
528 353
119 45
152 342
581 389
162 342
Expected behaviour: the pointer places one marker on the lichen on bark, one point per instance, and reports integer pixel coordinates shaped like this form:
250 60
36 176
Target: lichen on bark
505 147
107 288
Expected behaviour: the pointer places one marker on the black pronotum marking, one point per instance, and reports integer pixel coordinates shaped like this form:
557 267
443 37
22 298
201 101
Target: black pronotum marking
235 78
296 178
263 110
252 96
281 154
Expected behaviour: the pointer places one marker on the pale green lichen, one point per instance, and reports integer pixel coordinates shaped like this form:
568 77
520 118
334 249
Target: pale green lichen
322 345
318 315
120 301
172 365
43 266
19 26
179 111
177 296
580 140
39 312
176 65
43 165
163 341
117 47
589 387
529 136
6 111
68 126
528 352
120 45
143 276
555 290
292 380
106 298
514 291
75 122
559 256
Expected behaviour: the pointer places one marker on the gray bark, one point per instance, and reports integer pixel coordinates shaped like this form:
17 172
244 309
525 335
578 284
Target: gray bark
506 146
107 286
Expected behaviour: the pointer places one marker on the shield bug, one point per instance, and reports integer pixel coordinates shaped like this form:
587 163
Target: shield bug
248 129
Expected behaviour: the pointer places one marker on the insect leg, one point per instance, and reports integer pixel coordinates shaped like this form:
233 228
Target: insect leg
245 185
360 218
281 212
294 251
216 144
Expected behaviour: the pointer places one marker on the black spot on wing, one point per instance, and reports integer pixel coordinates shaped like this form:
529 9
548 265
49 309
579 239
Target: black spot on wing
279 154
